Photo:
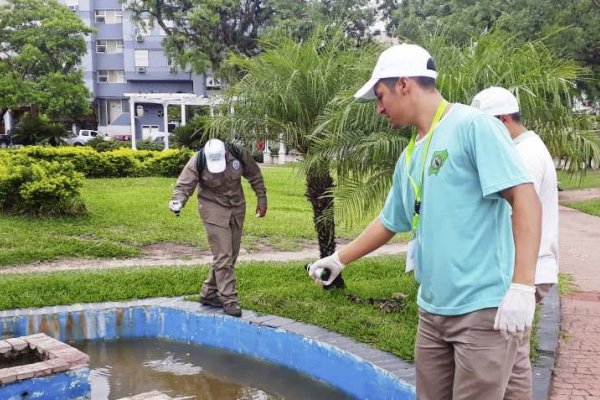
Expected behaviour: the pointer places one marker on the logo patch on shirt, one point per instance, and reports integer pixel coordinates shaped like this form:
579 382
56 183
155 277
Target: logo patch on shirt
437 161
236 165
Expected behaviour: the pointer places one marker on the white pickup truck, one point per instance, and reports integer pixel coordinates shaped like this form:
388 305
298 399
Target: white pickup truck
81 138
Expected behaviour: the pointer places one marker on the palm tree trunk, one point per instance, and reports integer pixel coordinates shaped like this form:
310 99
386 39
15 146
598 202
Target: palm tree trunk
317 185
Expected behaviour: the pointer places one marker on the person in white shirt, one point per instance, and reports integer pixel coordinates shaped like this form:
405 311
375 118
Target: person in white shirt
502 104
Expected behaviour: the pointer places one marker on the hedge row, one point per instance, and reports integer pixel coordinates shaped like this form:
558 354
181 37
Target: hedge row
111 164
47 180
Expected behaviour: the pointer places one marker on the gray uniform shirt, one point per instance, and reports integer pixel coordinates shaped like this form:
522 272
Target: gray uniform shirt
221 196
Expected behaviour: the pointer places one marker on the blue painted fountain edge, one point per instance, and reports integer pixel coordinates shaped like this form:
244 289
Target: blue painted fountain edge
189 322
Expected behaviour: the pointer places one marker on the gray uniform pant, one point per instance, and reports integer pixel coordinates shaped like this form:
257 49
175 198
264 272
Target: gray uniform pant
463 357
224 244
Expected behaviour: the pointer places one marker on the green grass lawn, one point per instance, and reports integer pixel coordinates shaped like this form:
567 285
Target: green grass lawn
569 181
573 182
591 207
274 288
125 214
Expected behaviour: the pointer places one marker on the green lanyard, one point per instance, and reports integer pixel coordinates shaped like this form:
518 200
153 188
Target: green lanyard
409 150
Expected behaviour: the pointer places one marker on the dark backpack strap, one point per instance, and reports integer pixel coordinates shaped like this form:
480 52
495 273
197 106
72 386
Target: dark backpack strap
200 161
236 152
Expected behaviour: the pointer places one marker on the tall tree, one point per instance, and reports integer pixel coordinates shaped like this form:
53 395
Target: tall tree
41 44
558 22
283 94
201 33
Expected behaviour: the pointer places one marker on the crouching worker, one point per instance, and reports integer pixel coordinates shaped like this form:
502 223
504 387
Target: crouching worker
217 170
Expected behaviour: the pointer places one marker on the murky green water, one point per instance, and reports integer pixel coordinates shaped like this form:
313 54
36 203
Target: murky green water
129 367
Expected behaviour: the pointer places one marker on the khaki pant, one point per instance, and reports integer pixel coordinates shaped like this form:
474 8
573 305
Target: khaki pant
520 383
224 244
463 357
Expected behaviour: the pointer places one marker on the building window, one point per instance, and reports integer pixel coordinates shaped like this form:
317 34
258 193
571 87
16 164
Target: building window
213 83
141 58
72 4
109 46
111 76
109 16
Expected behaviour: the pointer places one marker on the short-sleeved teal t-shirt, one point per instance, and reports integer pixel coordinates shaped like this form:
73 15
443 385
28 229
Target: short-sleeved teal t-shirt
464 248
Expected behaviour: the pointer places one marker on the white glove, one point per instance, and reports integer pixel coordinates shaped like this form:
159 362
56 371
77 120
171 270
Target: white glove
515 313
332 263
175 206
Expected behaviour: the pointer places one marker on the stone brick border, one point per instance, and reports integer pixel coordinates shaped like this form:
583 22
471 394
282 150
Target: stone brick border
548 332
57 356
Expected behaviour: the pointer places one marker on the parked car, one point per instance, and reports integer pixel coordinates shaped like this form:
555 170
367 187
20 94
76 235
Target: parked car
83 136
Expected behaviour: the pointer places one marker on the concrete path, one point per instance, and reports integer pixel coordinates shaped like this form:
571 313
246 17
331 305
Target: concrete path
577 368
309 253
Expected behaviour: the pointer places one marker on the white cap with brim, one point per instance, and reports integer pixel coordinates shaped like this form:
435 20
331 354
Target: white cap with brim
402 60
496 101
214 151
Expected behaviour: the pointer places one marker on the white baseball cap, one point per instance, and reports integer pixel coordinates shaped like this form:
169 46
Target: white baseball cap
496 101
214 151
401 60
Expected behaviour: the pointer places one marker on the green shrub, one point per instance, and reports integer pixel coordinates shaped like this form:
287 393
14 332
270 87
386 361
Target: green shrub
193 135
11 177
38 129
41 188
119 163
258 156
85 159
168 163
101 145
149 145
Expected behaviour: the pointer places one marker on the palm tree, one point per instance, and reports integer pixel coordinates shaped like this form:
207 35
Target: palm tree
283 93
363 149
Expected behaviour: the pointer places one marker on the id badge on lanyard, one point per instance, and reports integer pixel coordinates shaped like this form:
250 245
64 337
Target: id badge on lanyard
418 189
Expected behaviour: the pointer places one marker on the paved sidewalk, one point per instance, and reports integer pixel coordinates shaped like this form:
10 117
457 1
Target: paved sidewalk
577 369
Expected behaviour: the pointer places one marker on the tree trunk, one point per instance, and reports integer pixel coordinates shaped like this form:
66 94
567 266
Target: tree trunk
316 187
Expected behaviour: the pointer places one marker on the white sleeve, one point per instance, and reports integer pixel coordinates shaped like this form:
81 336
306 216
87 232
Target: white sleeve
534 163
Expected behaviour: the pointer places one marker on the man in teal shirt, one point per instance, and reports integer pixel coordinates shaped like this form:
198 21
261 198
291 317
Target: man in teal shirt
459 187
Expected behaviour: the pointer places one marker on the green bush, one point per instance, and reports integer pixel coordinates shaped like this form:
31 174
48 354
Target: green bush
101 145
41 188
168 163
149 145
85 159
258 156
121 163
11 177
193 135
38 129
